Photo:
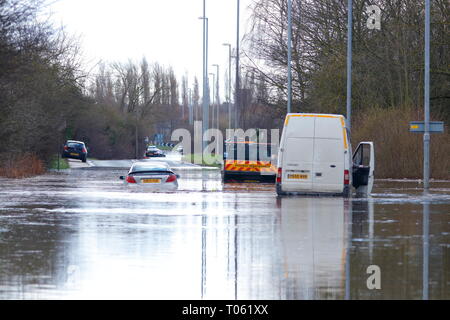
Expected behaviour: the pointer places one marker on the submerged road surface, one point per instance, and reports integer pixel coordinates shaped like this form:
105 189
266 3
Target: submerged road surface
173 159
82 233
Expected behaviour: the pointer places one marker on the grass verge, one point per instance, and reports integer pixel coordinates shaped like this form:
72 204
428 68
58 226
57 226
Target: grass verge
63 163
207 161
165 148
398 152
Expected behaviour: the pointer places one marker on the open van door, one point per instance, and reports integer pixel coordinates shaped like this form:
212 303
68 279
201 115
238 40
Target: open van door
363 168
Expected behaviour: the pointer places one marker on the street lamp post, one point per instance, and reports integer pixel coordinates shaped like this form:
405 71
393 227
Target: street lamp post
214 98
205 103
229 84
349 63
190 107
426 135
217 95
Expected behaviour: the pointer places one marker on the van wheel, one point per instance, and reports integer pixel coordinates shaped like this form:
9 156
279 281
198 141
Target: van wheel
84 159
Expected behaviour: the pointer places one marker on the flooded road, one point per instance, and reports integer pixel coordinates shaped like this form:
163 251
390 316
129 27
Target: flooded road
82 234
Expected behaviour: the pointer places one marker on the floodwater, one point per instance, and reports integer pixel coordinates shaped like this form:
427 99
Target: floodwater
82 234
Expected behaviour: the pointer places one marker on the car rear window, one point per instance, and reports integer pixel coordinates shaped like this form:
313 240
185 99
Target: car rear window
74 145
140 168
151 173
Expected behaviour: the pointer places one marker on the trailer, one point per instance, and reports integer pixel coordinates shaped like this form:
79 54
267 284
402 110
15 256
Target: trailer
249 161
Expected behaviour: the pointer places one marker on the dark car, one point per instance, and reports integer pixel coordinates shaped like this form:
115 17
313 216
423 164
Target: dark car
75 150
153 151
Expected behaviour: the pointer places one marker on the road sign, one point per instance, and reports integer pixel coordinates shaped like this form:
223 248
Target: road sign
419 126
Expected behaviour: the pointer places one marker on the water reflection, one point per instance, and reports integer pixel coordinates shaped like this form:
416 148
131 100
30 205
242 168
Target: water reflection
400 245
84 236
426 248
314 239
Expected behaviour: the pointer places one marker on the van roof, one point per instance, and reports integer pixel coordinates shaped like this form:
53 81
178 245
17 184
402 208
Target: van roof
316 115
325 131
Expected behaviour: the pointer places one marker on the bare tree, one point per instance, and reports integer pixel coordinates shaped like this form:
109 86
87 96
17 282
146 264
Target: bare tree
388 63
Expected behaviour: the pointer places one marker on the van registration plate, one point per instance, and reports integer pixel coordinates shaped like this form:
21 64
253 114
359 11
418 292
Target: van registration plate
296 176
151 180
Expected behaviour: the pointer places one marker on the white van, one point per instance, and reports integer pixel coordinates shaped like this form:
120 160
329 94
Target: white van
315 157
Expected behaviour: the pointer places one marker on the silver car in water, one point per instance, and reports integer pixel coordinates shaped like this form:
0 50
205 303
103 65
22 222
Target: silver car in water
152 173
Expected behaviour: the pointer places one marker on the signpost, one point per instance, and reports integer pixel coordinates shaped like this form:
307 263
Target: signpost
419 126
426 133
426 127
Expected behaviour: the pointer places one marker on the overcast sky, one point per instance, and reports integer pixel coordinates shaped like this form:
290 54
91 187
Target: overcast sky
164 31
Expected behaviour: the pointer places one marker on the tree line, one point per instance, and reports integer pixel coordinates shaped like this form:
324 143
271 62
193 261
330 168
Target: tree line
132 101
39 80
46 97
388 63
388 71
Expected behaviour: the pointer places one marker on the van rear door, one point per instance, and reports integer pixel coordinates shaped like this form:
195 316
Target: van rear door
363 168
298 153
298 159
328 175
329 156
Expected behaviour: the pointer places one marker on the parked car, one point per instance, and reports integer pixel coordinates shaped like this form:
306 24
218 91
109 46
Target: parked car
153 151
315 157
151 173
75 150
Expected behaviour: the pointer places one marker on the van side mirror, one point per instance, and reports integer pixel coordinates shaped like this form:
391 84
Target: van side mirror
178 176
